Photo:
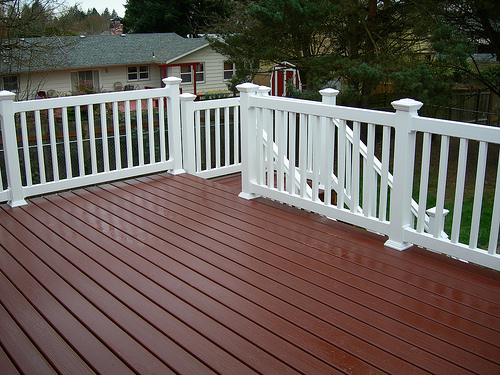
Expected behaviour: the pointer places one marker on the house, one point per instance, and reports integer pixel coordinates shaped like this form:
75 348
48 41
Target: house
94 63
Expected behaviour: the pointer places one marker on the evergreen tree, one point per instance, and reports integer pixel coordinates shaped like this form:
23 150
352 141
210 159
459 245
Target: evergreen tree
180 16
359 41
68 20
466 35
106 13
73 21
92 12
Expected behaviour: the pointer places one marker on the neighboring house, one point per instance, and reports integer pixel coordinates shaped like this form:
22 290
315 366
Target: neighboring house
118 62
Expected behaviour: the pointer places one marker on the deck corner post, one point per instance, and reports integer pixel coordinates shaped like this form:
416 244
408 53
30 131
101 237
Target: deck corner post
174 122
11 155
248 136
188 137
329 96
404 160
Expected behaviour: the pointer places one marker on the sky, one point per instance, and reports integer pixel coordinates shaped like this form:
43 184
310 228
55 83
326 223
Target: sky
100 5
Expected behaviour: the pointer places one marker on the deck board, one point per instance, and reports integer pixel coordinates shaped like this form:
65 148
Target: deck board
177 274
8 368
40 332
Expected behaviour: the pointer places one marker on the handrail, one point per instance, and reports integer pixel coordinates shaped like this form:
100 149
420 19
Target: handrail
220 138
326 140
83 100
55 160
378 169
311 146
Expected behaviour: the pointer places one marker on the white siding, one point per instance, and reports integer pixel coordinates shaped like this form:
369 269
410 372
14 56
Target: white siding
60 80
110 75
214 70
30 84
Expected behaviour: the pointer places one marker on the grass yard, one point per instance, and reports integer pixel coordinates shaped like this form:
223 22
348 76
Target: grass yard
470 181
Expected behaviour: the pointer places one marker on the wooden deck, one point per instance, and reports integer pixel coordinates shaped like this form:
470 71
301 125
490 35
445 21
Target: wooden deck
175 274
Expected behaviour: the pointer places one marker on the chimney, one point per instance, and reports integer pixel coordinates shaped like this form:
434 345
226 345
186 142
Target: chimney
116 27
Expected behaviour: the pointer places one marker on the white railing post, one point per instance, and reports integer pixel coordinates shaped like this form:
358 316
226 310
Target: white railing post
174 123
188 137
249 161
264 91
329 96
11 155
431 212
404 159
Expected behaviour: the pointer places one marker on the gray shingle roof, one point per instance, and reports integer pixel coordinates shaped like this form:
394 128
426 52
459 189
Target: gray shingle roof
98 50
106 50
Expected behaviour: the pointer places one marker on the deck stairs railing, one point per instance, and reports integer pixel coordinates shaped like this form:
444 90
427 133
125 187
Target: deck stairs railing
329 97
368 168
336 151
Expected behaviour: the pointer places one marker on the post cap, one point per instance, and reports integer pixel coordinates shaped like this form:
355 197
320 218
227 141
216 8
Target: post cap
329 92
264 90
247 87
171 81
407 105
7 95
431 212
187 97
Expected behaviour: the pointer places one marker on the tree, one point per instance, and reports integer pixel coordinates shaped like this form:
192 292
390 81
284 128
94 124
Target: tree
67 21
106 14
92 12
360 42
94 24
478 21
183 17
27 18
463 29
19 22
22 21
264 33
73 21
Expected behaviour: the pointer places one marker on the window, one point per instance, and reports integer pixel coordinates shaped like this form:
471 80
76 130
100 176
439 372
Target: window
138 73
10 83
85 81
187 73
200 73
229 70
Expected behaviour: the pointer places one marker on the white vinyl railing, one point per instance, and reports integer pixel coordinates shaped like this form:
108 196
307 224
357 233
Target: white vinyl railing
211 136
484 194
368 168
360 167
83 140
